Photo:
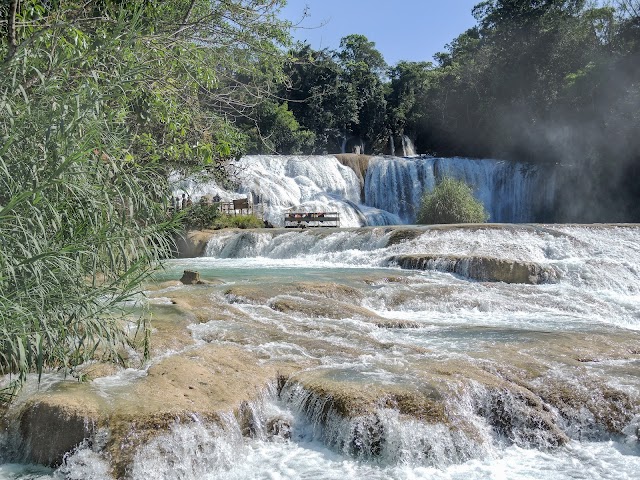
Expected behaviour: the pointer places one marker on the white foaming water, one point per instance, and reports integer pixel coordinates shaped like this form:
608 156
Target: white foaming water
308 183
600 258
208 452
408 149
511 192
492 432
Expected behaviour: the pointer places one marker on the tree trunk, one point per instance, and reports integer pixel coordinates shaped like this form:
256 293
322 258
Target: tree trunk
11 29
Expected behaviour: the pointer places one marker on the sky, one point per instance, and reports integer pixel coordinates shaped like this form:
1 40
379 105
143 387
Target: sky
402 29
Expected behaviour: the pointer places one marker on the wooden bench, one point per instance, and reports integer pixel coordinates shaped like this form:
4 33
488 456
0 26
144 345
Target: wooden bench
311 219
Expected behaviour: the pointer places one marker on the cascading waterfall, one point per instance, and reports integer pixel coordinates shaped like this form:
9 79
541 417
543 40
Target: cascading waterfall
378 372
408 149
304 183
511 192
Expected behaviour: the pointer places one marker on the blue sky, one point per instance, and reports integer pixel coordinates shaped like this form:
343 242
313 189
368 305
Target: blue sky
401 29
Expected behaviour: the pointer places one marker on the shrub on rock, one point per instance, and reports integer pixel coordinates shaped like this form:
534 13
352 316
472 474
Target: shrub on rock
452 201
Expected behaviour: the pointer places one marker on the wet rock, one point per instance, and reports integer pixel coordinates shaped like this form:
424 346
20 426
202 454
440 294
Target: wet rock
487 269
373 281
249 294
402 235
170 328
279 427
198 385
191 277
249 424
327 309
193 243
520 416
318 291
351 397
368 437
395 323
335 291
53 424
358 163
592 408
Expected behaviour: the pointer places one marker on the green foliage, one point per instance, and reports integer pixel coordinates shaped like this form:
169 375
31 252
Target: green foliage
200 216
203 216
408 92
98 100
208 216
452 201
239 221
278 131
319 98
80 223
357 49
338 94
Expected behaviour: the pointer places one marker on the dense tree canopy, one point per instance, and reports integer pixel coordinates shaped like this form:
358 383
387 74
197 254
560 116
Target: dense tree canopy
545 81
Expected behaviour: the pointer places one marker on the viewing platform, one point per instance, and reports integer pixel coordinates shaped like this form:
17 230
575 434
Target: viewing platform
311 219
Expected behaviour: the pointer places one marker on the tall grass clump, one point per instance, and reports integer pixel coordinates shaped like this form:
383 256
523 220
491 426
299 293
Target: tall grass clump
451 201
99 101
82 222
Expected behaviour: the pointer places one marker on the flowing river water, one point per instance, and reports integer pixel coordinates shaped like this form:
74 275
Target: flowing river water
405 374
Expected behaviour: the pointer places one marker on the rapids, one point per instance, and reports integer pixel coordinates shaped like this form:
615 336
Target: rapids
389 191
402 374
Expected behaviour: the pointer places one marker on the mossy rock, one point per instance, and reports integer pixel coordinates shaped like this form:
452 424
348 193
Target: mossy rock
486 269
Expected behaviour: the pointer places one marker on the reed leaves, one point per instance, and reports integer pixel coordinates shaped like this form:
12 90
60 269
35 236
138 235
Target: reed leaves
99 100
80 228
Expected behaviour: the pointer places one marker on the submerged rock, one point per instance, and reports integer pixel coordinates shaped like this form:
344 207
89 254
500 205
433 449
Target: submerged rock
401 235
486 269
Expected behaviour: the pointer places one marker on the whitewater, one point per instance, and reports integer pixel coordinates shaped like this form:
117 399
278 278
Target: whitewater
387 193
392 373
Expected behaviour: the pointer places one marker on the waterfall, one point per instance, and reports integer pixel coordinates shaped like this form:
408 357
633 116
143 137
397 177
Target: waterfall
408 149
511 192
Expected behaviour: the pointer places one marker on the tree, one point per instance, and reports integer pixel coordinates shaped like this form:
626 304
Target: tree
276 130
362 68
408 92
357 48
318 97
452 201
339 94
